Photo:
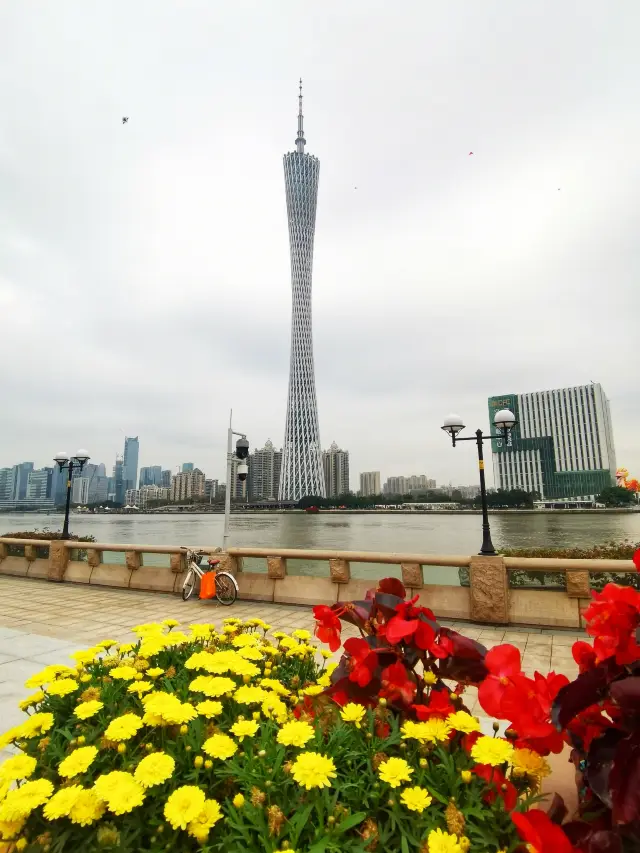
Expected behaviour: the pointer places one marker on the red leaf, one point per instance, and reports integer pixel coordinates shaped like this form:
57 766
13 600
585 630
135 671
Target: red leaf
392 586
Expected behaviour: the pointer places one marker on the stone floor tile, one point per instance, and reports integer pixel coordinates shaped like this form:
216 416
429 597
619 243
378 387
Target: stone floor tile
492 634
565 640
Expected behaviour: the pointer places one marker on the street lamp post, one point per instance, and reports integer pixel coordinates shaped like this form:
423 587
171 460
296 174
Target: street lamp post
73 463
504 422
240 455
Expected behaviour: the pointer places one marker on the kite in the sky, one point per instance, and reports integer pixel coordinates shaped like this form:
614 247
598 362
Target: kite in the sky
125 119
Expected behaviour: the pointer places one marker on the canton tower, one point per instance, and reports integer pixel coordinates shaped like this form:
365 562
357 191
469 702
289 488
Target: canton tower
302 471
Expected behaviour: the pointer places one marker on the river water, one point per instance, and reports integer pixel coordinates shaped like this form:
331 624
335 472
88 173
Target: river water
409 533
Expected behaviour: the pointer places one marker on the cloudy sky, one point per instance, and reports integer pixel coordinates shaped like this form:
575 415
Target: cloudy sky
144 268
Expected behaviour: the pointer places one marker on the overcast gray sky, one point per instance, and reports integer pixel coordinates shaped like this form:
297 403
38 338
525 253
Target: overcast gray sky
144 268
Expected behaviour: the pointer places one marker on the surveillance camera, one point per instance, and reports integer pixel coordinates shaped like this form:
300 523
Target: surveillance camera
242 448
243 470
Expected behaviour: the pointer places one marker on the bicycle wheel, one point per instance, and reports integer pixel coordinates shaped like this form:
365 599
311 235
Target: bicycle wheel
226 591
189 585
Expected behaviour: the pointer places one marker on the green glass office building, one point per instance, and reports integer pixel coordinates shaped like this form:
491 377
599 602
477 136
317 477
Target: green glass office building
562 446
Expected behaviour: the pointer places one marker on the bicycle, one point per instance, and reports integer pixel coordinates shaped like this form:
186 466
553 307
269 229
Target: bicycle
226 586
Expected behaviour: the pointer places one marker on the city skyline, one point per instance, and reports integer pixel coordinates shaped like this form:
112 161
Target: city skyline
439 277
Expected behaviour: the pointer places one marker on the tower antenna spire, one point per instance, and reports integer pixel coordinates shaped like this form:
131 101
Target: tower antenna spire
300 140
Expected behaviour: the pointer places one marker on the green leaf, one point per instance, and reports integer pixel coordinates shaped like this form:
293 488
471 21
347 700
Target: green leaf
404 844
351 821
320 846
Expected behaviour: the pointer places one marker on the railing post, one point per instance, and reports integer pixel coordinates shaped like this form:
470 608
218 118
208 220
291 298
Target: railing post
4 551
94 557
578 585
58 560
276 567
412 575
133 559
229 563
30 553
489 590
178 563
340 570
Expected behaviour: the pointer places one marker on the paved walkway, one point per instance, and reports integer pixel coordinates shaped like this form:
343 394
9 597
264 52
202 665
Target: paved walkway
42 623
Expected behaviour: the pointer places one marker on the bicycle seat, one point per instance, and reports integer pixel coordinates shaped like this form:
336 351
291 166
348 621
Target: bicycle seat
213 562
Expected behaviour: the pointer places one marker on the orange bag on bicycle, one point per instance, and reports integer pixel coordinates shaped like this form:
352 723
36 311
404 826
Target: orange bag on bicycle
208 585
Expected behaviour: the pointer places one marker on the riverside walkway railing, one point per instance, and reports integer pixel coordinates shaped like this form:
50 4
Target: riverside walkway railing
487 599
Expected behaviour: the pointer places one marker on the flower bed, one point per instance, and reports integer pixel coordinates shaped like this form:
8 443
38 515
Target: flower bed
236 739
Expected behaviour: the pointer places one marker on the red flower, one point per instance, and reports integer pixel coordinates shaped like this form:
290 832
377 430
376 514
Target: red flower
527 703
537 830
439 705
362 661
612 618
636 559
501 785
583 655
406 624
503 663
382 729
397 685
328 626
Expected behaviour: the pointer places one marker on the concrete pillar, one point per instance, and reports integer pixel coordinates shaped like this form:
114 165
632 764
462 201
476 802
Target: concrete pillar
133 559
178 563
94 557
58 561
489 590
412 576
340 570
578 585
30 553
229 563
276 567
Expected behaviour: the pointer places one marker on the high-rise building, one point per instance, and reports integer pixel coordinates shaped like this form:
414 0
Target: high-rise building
369 483
264 473
395 486
239 488
6 484
336 471
165 479
80 490
186 467
302 472
189 484
562 444
39 484
131 449
211 490
21 480
118 476
151 476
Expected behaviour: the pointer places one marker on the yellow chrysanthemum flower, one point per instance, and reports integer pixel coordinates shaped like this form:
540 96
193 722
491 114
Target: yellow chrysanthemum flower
17 768
123 728
313 690
86 710
352 713
49 673
410 730
212 685
154 769
220 746
250 653
243 640
125 648
525 762
184 805
275 686
430 677
436 730
124 673
84 656
62 802
37 724
140 687
463 722
201 632
209 708
88 808
301 634
313 770
170 623
416 799
32 700
20 802
147 628
275 709
248 694
63 687
244 728
295 733
491 750
394 771
162 709
442 842
154 671
210 815
106 644
78 761
120 791
326 654
238 801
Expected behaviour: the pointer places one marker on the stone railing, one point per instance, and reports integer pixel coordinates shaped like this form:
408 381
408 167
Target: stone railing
488 597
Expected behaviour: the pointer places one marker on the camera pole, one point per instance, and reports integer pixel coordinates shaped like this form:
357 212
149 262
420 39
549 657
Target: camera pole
242 452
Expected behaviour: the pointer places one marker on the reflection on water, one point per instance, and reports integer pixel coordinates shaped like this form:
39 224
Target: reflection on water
415 533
